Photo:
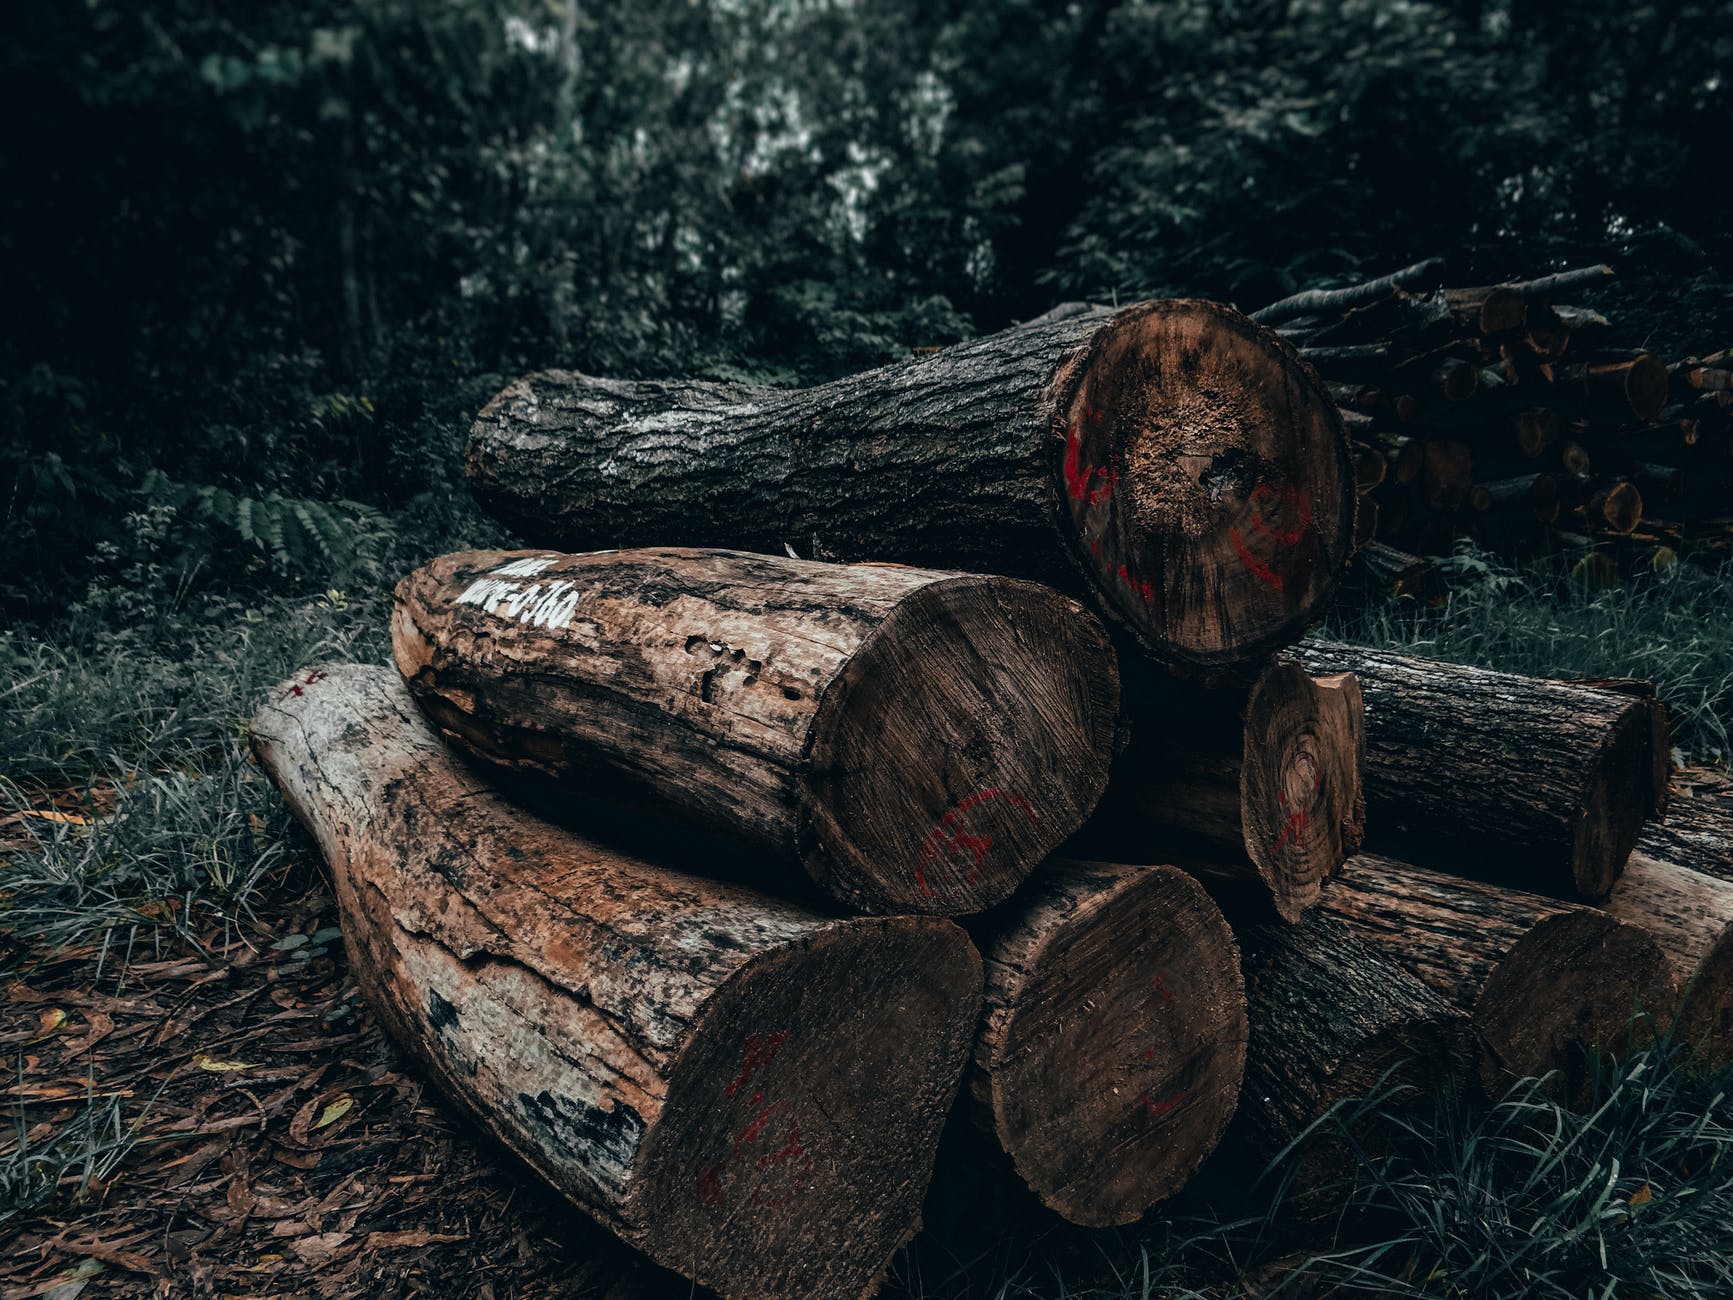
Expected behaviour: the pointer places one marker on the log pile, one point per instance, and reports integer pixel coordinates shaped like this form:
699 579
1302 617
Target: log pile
713 881
1508 415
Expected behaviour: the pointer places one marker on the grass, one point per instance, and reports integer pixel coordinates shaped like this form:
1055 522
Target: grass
1673 627
127 728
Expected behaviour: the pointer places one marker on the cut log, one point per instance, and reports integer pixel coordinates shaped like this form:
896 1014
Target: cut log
1539 978
911 740
1111 1052
1691 916
749 1093
1535 782
1263 783
1660 788
1698 832
1170 461
1314 301
1333 1020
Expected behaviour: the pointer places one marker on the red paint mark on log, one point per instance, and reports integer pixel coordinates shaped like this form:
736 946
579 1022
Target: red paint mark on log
790 1148
1279 517
1298 820
1260 570
756 1126
1142 586
1167 1105
1078 476
761 1050
710 1186
1161 988
952 842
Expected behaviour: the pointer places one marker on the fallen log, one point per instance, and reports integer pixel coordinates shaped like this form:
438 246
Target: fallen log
1541 980
1111 1051
1698 831
1526 780
910 740
1333 1021
1170 461
1261 783
749 1093
1691 916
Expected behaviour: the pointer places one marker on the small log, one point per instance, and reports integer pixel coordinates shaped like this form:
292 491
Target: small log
1691 916
1614 508
1540 782
1698 832
1264 782
1386 571
1536 495
1536 430
1320 301
1114 1040
1637 385
913 741
1169 462
749 1093
1333 1020
1659 791
1539 978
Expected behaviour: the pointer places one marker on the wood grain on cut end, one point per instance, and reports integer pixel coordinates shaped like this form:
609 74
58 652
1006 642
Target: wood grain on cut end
911 741
1691 916
1543 980
749 1092
966 738
1205 480
1618 797
800 1121
1111 1054
1301 806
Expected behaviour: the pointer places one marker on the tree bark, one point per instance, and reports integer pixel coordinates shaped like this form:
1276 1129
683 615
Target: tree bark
1333 1021
913 741
1538 782
1691 916
1111 1051
1698 832
1540 979
749 1093
1263 783
1171 462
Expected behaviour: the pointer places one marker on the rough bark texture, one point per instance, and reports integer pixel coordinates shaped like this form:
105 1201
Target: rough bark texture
1522 779
1172 461
915 741
1539 978
749 1093
1691 917
1698 832
1334 1020
1263 781
1110 1054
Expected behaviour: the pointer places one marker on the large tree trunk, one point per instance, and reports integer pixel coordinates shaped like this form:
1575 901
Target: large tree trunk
1691 917
1531 781
1261 784
1172 460
1540 978
1333 1021
915 741
1110 1055
749 1093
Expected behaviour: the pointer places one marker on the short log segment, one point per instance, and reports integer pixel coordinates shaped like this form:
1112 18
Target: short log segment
1539 978
914 741
1111 1052
1698 832
1262 784
1334 1021
749 1093
1691 917
1530 781
1173 461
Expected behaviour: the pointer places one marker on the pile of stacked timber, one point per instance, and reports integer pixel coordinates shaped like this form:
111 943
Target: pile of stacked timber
710 880
1504 414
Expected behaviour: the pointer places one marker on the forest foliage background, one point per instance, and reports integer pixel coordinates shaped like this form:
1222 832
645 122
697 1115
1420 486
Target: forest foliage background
264 262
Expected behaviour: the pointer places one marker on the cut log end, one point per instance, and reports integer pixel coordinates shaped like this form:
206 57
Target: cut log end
1114 1061
1703 1026
780 1148
992 769
1205 480
1301 807
1616 801
1578 978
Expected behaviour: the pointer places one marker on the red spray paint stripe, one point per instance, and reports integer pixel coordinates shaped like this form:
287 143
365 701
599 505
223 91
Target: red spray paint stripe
954 842
1167 1105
